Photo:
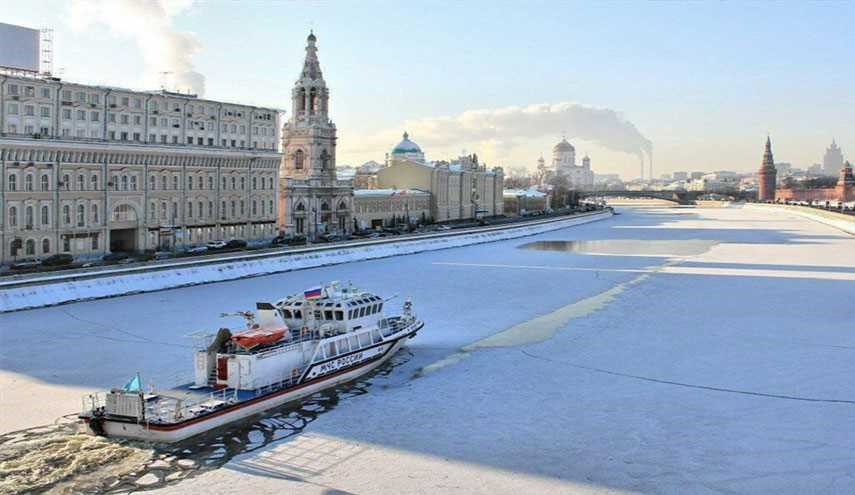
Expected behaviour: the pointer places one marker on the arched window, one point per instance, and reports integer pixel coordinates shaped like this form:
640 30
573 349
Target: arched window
201 209
254 183
190 183
66 182
45 215
12 182
152 183
325 160
211 183
66 214
243 183
13 216
81 215
28 217
163 182
313 100
175 182
45 182
93 181
28 182
199 182
342 206
45 246
15 246
300 207
301 104
95 214
234 183
31 247
325 206
298 159
81 182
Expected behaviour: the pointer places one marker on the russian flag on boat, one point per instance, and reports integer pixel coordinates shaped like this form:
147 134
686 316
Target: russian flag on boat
313 293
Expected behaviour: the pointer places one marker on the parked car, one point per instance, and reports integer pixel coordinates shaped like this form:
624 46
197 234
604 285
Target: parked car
329 238
115 257
236 244
26 265
197 249
297 240
443 227
58 260
279 240
216 244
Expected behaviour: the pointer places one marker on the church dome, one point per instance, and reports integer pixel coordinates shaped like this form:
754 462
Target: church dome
563 146
406 146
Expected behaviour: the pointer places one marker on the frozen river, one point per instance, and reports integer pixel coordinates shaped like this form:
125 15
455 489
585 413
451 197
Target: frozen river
665 350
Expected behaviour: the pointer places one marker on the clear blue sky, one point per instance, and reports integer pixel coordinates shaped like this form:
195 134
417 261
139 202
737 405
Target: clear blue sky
704 81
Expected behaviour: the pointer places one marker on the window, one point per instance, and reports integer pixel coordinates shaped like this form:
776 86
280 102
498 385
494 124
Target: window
211 209
223 187
13 109
152 183
66 182
93 181
81 215
199 183
125 119
28 182
190 183
137 120
94 116
95 214
163 210
233 210
81 182
254 207
111 117
174 182
242 212
29 110
45 215
163 182
95 241
124 183
13 216
45 112
12 182
242 183
298 160
328 314
133 183
189 209
45 246
31 247
66 244
234 182
81 115
339 315
45 182
66 214
28 217
66 114
200 209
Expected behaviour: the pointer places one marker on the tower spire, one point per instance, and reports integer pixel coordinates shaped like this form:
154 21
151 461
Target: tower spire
311 66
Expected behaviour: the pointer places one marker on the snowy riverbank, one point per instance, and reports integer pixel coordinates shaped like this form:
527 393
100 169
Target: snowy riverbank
840 221
63 289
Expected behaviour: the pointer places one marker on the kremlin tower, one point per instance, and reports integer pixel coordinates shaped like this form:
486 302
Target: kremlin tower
767 175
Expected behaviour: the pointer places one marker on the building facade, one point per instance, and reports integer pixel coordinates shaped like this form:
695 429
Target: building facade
461 189
312 199
376 208
88 170
564 163
832 161
767 174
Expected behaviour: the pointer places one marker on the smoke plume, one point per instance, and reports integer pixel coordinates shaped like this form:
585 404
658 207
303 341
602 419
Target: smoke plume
149 24
501 129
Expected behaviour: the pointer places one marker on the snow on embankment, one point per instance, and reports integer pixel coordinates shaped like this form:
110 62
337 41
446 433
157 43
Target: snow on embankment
62 289
841 221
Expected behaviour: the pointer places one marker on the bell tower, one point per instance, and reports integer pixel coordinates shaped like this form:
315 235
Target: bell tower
309 137
767 175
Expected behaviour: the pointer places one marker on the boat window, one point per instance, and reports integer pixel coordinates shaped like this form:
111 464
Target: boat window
317 314
328 314
298 314
375 336
362 311
350 314
354 342
380 307
376 308
364 340
331 349
286 314
343 346
339 315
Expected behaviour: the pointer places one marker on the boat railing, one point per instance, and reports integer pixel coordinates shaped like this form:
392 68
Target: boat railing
282 382
175 409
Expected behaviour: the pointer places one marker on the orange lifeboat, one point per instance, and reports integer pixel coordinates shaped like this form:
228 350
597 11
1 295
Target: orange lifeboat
255 337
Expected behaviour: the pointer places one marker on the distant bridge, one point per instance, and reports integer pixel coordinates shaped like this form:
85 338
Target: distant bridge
680 197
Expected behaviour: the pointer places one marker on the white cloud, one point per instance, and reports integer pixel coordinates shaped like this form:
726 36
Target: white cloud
149 24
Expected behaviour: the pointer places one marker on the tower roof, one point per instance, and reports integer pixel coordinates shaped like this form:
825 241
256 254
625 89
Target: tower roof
311 66
768 159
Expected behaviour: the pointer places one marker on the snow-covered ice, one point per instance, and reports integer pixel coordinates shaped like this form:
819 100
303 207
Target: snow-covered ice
538 370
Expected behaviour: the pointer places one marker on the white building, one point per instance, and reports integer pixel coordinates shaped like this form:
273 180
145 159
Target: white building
86 170
564 164
312 200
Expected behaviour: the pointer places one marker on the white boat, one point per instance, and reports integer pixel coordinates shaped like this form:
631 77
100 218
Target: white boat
289 350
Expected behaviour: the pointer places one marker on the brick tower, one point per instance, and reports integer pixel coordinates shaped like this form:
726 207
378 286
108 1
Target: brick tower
767 175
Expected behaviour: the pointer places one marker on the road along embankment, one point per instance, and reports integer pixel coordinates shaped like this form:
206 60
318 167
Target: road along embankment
57 289
841 221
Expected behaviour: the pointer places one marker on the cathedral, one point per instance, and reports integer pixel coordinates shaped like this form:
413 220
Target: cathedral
312 200
564 164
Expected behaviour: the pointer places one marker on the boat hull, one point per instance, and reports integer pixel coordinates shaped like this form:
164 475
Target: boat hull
180 431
